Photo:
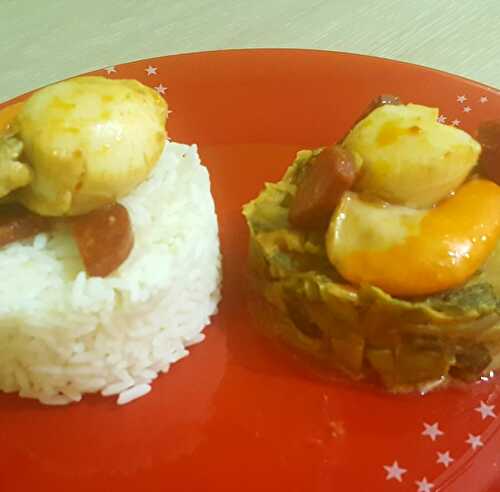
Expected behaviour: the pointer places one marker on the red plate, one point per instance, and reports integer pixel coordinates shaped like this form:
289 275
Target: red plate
238 413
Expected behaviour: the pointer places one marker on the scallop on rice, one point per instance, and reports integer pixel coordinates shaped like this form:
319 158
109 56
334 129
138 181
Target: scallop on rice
65 330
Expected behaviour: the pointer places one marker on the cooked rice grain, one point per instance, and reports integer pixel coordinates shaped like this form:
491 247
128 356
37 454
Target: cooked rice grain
63 334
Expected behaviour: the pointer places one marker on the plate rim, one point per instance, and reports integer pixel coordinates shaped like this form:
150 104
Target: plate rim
271 51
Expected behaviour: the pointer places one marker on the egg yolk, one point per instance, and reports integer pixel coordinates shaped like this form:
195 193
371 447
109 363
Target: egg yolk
452 242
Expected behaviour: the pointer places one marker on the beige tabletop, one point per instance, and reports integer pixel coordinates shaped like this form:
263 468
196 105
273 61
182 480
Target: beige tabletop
43 41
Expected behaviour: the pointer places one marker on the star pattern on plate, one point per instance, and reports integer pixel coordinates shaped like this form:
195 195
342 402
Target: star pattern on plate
444 459
442 118
432 431
150 70
423 485
461 99
395 472
456 122
474 441
483 99
467 109
161 89
110 70
486 410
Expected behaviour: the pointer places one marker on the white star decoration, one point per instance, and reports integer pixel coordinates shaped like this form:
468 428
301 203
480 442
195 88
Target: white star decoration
455 122
424 485
441 118
467 109
110 70
461 99
444 459
486 410
483 99
432 431
151 70
474 441
160 89
394 471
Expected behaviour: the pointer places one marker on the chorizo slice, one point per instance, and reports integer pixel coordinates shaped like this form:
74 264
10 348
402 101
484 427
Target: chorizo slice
331 173
104 238
17 223
382 100
489 159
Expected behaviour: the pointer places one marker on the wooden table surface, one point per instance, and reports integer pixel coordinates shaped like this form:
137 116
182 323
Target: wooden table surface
43 41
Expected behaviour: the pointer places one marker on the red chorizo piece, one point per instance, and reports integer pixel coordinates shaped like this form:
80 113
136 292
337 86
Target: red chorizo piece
379 101
17 223
382 100
489 160
104 238
327 177
331 173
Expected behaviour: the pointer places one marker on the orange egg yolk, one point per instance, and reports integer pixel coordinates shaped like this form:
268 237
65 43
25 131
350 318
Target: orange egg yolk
453 241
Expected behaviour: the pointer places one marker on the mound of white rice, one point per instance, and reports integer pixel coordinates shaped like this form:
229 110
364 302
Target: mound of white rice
63 334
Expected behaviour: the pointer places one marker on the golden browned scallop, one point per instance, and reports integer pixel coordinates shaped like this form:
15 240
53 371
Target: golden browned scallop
409 158
89 141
